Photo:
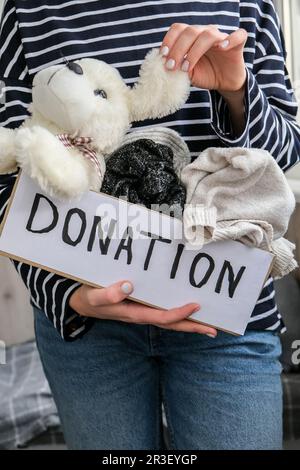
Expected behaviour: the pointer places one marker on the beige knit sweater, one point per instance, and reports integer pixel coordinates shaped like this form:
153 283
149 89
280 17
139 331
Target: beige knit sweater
239 194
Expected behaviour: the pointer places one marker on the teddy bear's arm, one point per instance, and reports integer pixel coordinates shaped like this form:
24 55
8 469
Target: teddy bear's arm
158 91
58 170
8 162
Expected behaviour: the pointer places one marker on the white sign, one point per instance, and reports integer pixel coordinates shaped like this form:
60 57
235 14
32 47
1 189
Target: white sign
100 240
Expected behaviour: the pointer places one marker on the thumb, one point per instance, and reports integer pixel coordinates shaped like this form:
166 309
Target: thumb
236 40
110 295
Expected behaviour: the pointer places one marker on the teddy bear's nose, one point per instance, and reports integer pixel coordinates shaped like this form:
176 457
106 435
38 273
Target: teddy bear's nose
75 68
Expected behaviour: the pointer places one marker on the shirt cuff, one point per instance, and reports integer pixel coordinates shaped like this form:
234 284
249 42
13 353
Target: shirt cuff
220 116
73 325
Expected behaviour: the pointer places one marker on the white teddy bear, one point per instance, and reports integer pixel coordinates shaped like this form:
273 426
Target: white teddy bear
80 113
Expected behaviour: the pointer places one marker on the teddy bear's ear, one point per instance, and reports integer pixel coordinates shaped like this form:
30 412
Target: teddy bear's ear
158 92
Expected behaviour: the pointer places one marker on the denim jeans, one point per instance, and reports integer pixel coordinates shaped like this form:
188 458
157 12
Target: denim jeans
222 393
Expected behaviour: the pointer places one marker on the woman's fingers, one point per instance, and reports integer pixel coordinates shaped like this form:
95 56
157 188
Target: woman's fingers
138 313
173 319
189 326
181 40
166 317
237 39
204 42
184 45
180 45
171 36
109 295
111 303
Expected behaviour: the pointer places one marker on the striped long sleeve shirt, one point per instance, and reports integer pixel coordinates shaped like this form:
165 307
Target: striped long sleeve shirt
37 33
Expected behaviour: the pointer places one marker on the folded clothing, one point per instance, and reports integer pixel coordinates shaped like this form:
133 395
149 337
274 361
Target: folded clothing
27 408
142 171
239 194
164 136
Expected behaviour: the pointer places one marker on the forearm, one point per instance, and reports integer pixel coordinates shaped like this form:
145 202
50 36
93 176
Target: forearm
51 293
268 116
272 123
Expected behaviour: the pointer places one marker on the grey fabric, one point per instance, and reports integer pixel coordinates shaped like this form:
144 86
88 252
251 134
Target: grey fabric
52 439
26 405
228 196
291 406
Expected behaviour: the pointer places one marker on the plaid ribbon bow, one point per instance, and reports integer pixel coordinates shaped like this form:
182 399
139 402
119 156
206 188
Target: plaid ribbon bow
82 143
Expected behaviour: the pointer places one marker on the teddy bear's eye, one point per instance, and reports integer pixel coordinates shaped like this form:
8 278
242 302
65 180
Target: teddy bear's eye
101 93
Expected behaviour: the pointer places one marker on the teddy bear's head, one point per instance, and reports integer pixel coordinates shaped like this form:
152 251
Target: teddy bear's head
89 97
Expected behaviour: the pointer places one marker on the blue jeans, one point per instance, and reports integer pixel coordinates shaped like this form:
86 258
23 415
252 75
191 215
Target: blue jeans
222 393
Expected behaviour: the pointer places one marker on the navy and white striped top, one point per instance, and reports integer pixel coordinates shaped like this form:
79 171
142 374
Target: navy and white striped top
35 32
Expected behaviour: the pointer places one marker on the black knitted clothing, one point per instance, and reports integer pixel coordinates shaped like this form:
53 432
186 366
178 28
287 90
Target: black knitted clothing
142 172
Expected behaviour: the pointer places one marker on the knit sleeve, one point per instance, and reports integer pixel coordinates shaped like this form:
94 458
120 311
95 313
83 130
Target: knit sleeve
270 103
15 88
48 292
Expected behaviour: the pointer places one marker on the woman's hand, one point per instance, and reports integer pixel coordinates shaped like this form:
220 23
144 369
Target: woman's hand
110 304
213 60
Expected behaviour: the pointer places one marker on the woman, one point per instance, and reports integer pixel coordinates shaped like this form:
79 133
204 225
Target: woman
121 360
